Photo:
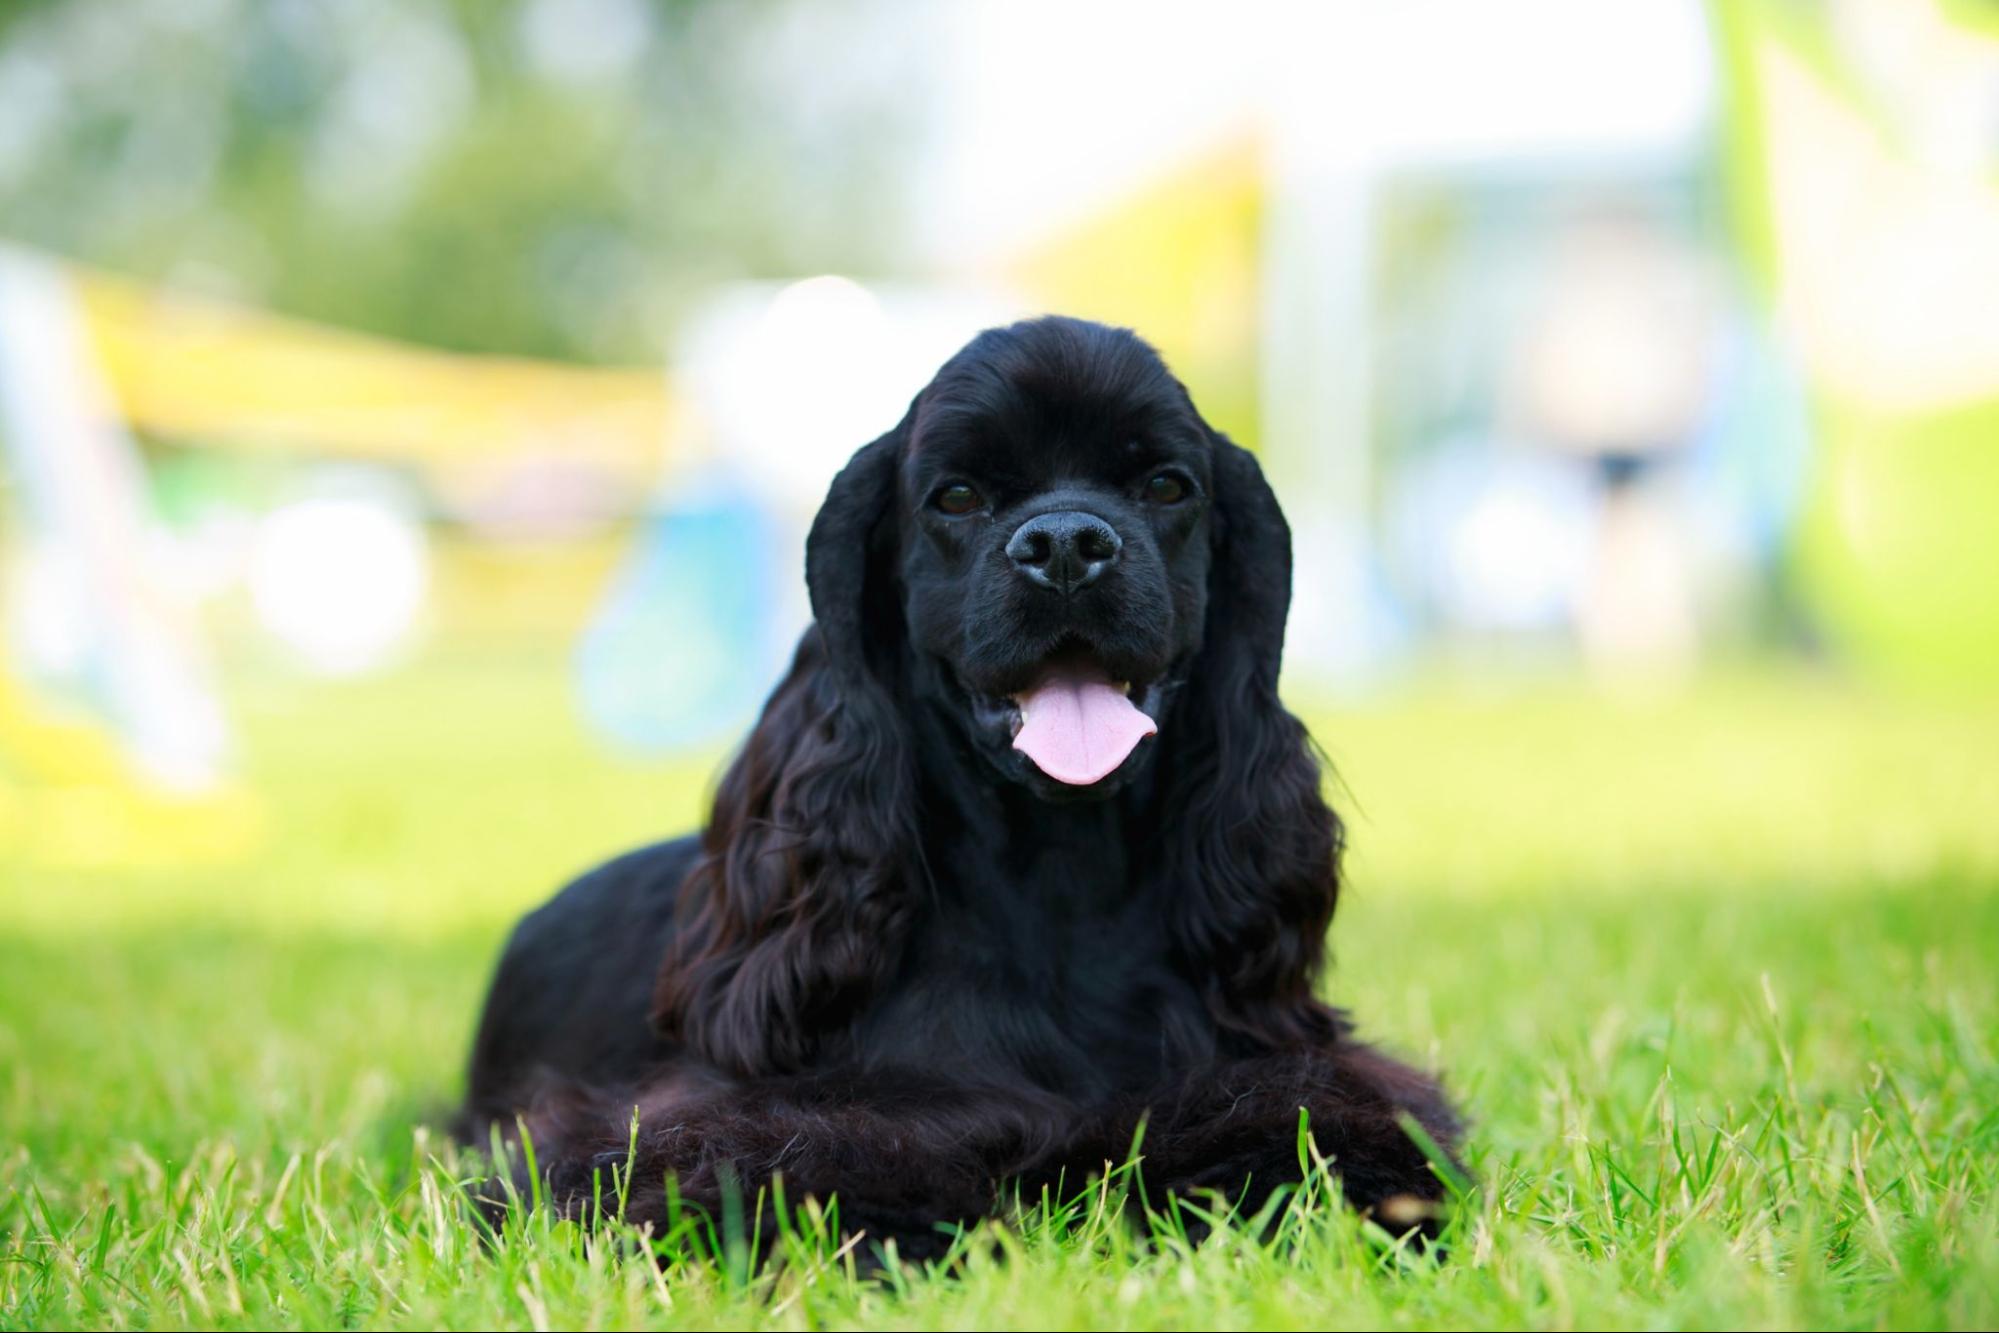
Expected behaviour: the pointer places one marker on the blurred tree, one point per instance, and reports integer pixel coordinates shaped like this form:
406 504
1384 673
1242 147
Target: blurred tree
550 177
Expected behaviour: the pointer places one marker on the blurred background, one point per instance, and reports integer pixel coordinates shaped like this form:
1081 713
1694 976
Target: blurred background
410 410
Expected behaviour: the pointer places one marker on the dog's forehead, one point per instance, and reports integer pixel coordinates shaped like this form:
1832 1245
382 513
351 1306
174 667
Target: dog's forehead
1048 446
1053 426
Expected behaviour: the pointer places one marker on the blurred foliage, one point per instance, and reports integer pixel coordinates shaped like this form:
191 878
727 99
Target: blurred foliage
1895 548
1178 261
544 177
1898 544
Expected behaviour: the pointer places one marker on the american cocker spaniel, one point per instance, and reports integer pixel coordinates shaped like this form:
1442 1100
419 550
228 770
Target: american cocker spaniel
1024 850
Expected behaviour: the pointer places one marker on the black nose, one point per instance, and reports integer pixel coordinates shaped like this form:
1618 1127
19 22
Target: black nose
1066 550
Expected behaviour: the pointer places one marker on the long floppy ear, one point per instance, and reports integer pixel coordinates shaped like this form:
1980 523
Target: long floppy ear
1250 844
799 901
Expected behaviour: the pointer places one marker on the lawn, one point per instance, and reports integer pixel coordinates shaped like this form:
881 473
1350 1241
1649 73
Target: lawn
1714 972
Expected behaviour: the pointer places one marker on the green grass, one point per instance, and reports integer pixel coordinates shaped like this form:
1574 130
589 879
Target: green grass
1715 974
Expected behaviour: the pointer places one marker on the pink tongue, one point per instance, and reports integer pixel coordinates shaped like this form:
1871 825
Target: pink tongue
1078 729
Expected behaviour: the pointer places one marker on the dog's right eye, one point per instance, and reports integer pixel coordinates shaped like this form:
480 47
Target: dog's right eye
959 499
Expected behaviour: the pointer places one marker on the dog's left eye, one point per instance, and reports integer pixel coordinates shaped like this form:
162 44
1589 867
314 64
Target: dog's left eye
1166 489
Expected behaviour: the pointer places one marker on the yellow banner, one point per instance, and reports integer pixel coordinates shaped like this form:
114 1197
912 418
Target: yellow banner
209 371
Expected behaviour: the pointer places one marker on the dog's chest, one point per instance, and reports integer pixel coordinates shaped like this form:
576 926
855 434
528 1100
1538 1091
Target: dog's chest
1080 1003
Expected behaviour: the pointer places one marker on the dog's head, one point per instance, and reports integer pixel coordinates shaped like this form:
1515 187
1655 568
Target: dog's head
1052 514
1056 557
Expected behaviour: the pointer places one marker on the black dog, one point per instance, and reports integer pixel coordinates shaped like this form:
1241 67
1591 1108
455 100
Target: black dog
1023 850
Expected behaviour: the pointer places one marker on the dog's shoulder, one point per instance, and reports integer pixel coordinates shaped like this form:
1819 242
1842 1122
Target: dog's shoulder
636 887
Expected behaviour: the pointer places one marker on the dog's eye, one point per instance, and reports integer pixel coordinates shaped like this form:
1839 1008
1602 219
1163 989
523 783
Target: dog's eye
1166 489
959 499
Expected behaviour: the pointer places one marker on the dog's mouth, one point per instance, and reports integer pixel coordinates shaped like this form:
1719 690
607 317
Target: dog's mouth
1077 725
1074 719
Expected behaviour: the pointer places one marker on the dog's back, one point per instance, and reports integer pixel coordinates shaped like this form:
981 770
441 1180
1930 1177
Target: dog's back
570 996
